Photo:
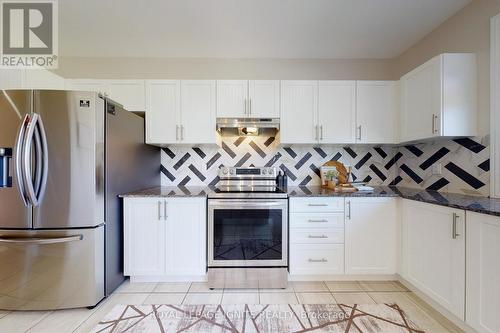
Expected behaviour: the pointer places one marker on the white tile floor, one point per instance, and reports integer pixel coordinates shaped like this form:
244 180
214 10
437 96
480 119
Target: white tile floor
83 320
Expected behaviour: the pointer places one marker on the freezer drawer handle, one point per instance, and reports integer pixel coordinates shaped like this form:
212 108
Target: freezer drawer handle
40 240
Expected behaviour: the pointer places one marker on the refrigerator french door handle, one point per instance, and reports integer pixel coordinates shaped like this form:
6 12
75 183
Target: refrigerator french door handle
18 159
40 240
44 160
27 163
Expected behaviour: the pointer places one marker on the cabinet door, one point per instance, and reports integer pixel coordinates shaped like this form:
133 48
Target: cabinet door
87 85
299 110
129 93
186 236
434 253
371 235
421 102
163 111
264 99
43 79
144 237
337 111
232 98
197 111
11 79
483 270
377 111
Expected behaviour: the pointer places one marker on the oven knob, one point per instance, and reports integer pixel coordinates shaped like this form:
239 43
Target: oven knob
224 171
264 171
231 172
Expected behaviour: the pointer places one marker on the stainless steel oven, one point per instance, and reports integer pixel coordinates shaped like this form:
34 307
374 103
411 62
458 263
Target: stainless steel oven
247 230
248 233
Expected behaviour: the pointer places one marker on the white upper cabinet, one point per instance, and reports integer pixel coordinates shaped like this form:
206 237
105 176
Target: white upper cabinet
433 253
252 99
30 79
371 235
438 98
86 85
43 79
197 112
336 111
377 112
232 98
181 112
299 112
483 270
163 115
264 99
129 93
11 79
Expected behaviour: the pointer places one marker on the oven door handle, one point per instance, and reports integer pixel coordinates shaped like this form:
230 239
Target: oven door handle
247 203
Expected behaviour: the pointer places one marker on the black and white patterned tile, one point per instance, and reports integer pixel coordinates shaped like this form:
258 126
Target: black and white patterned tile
464 162
465 165
199 165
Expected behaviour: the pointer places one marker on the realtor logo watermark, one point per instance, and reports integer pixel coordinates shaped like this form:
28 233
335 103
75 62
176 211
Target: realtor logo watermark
29 36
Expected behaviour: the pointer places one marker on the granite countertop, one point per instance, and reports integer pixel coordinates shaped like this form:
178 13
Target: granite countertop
482 205
170 191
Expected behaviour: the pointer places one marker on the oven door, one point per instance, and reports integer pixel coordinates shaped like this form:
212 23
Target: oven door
248 233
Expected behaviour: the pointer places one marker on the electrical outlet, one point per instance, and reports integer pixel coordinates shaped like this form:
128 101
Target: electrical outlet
437 169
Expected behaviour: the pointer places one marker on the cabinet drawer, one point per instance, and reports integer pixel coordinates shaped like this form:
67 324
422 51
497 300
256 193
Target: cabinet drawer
316 205
316 259
315 220
317 236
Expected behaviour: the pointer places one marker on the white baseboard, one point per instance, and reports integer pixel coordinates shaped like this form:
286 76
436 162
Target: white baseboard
169 278
437 307
343 277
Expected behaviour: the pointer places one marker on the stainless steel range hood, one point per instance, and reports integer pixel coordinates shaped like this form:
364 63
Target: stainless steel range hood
247 126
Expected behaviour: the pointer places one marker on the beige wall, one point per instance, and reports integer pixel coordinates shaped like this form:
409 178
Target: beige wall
466 31
206 68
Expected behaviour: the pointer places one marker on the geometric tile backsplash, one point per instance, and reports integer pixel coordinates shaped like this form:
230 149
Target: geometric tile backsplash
465 162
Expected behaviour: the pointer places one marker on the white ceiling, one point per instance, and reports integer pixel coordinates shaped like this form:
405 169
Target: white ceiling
248 28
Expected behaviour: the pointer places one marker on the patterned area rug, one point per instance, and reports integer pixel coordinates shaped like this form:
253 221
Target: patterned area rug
385 318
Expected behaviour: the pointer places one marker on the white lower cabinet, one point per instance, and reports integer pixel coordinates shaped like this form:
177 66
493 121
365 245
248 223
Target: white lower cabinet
316 236
371 239
483 271
165 237
144 237
433 253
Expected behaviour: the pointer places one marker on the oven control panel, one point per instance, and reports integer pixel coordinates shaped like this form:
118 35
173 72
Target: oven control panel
249 172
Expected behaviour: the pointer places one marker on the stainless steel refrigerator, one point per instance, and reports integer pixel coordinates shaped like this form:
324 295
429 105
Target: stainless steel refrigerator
65 156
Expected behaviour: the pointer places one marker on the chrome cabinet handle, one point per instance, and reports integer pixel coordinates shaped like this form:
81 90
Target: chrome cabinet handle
434 127
182 132
18 159
315 132
322 236
455 234
176 132
317 205
246 107
321 132
318 260
159 210
250 106
40 240
165 210
359 132
348 216
317 221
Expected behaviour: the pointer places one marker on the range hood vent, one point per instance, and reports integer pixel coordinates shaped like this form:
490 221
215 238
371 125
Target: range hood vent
247 126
